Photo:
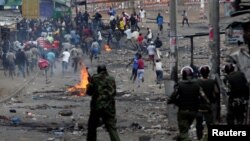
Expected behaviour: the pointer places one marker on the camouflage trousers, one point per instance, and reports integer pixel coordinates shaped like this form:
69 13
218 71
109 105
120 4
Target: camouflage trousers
236 111
108 118
185 118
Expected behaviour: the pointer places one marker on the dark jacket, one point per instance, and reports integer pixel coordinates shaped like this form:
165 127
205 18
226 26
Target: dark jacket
237 84
187 95
20 58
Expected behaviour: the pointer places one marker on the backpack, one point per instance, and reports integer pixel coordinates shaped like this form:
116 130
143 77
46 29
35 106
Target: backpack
43 64
158 43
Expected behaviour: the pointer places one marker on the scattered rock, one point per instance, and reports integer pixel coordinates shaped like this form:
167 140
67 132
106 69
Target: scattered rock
126 95
145 138
12 110
65 113
135 125
156 126
15 120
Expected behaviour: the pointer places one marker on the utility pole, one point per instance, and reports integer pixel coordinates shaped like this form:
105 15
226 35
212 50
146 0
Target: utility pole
214 42
169 84
173 39
133 5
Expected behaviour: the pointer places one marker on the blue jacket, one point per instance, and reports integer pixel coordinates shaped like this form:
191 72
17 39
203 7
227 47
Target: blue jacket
159 20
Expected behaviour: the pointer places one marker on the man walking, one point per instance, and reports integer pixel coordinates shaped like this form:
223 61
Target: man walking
51 57
184 18
102 88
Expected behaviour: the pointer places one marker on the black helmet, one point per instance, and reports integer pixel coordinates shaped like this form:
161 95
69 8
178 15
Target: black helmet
187 72
204 71
101 68
229 68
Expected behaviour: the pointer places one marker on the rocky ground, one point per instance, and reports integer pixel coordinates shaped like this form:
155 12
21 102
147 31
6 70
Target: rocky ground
34 111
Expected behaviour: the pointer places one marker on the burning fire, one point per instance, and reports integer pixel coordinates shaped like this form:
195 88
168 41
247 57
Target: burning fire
107 48
82 85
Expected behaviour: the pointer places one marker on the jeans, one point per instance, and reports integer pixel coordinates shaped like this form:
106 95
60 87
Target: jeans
159 75
51 67
64 67
21 70
33 64
140 76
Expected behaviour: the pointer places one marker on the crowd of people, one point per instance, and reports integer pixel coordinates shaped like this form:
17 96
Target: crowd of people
69 39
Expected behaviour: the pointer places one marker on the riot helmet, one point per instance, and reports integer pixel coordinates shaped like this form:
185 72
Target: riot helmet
228 68
187 72
204 71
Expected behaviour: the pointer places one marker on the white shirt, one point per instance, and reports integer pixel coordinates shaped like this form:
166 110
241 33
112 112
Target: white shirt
135 34
111 18
151 50
128 33
150 34
99 35
142 13
158 66
66 56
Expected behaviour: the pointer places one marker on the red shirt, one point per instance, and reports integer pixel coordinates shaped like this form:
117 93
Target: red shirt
56 44
140 64
140 39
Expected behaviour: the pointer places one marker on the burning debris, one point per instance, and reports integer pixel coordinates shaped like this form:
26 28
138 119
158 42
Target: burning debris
107 48
80 88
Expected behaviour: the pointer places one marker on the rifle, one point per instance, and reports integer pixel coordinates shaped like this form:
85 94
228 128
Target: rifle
248 108
222 98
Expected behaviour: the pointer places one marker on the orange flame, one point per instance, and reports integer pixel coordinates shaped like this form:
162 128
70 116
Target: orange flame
82 85
107 48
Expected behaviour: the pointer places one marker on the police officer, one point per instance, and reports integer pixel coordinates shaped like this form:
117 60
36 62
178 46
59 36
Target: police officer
102 88
187 95
209 112
238 92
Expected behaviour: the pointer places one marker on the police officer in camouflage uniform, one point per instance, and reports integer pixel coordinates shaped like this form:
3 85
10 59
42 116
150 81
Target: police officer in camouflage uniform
102 88
238 92
187 95
208 112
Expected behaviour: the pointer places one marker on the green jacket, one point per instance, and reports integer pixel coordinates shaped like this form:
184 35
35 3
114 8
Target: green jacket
102 88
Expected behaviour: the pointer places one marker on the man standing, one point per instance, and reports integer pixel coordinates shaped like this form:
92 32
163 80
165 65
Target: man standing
210 113
238 92
20 61
142 14
102 88
11 63
117 35
187 96
159 21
